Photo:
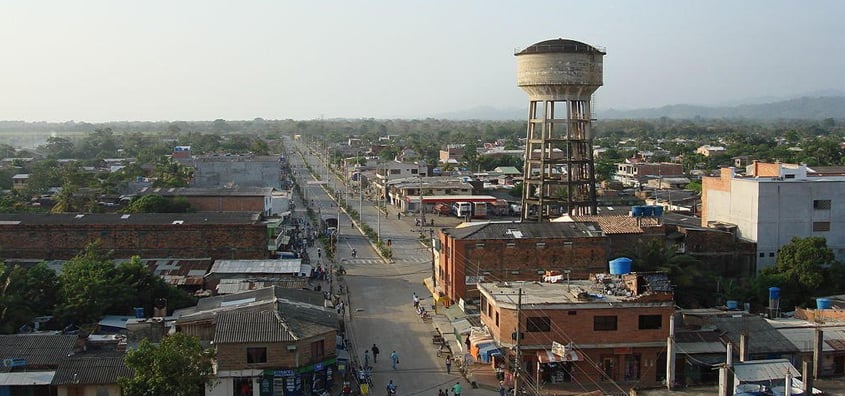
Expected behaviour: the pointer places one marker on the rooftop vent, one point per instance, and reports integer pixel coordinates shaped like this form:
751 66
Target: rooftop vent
79 216
178 221
124 217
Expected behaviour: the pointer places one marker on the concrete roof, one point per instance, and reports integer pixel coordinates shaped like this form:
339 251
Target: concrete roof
135 218
559 45
514 230
581 292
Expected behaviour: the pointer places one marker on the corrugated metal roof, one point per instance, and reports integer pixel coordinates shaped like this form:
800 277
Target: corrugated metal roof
92 368
241 327
762 370
274 266
506 230
763 337
697 342
38 350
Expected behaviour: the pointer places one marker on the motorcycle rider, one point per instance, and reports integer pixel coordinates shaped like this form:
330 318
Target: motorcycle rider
391 388
354 253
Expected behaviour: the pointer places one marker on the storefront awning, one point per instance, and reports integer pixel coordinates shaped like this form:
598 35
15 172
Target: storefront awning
545 356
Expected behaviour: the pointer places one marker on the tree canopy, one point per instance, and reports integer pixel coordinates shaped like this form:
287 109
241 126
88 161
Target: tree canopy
177 366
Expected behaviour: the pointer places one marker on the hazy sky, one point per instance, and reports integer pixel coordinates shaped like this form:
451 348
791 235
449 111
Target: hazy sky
200 60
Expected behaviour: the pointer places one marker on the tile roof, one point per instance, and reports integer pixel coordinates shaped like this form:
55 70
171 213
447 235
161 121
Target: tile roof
262 326
514 230
99 368
39 350
619 224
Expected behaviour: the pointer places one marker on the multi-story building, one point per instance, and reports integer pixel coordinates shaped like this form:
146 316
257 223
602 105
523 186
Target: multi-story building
451 153
636 174
607 328
234 235
507 251
236 199
774 203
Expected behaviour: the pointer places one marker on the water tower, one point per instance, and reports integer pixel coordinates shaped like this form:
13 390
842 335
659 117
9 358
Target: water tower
559 76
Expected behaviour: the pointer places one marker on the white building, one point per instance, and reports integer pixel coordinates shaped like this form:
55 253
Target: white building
774 203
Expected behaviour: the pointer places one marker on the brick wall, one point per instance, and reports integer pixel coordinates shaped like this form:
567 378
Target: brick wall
515 259
578 328
234 356
63 241
721 183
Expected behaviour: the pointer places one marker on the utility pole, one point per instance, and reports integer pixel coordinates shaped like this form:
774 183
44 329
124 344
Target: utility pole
518 358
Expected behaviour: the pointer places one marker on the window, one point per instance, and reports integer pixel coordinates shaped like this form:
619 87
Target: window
570 313
483 304
538 324
651 322
317 350
789 176
821 226
604 323
771 254
821 204
762 255
497 319
256 355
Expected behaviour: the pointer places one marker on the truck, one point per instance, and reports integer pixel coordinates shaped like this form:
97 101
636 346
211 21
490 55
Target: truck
479 210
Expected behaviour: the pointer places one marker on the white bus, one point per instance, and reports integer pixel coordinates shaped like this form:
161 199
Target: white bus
462 209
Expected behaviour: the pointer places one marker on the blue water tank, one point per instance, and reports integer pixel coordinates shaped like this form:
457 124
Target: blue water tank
774 293
620 266
637 211
732 304
648 210
139 312
823 303
658 211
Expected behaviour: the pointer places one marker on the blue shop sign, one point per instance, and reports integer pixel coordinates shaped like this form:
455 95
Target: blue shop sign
283 373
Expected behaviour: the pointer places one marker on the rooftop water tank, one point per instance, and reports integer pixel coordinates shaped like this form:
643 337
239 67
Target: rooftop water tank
647 210
620 266
823 303
774 293
637 211
732 304
658 211
139 312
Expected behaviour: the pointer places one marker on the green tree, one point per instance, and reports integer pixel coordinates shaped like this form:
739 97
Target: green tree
805 268
692 289
169 173
177 366
157 204
87 286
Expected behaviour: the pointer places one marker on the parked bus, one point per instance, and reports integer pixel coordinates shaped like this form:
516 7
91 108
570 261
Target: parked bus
462 209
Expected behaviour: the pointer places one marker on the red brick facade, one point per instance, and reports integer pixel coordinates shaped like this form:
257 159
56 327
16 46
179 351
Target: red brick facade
514 260
234 356
64 241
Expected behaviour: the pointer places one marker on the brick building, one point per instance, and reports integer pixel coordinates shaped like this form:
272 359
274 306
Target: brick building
267 339
613 327
624 233
237 235
635 174
237 199
484 252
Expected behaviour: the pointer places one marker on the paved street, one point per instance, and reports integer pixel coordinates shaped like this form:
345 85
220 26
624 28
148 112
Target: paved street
379 297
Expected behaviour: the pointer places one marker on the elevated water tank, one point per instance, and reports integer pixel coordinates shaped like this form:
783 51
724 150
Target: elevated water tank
637 211
732 304
823 303
648 210
774 293
620 266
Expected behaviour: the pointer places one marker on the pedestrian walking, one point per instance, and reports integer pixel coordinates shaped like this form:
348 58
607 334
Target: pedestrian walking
375 353
394 359
399 216
416 301
457 389
501 388
448 365
366 358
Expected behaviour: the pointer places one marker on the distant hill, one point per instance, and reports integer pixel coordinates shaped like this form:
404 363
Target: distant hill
803 108
806 108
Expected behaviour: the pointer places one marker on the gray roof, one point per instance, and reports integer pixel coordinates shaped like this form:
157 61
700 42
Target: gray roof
244 326
763 370
513 230
247 191
763 338
135 218
274 266
255 300
38 350
100 368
